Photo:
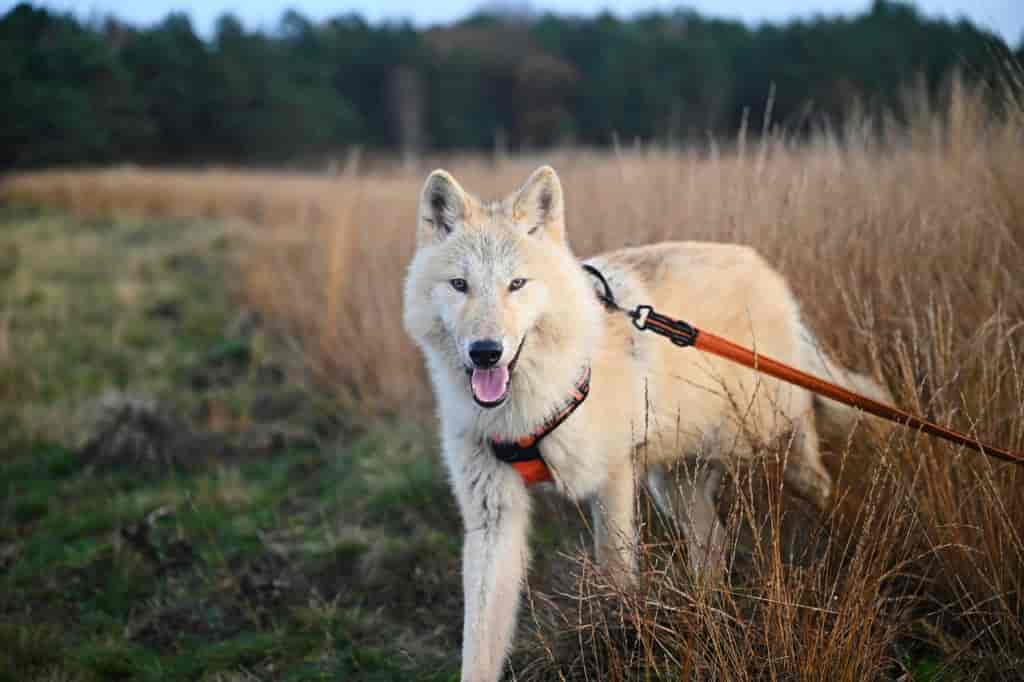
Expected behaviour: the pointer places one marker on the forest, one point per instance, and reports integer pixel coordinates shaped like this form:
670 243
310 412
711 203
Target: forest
77 93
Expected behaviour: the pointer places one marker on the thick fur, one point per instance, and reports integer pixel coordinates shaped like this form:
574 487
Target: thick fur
651 403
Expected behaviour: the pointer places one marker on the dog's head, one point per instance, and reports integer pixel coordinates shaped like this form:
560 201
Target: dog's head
484 277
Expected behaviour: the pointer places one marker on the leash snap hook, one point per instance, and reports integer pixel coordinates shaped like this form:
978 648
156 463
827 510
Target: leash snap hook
640 316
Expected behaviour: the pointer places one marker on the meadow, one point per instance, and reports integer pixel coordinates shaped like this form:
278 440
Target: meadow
325 546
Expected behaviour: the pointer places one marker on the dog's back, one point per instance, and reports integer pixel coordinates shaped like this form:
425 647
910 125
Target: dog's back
729 290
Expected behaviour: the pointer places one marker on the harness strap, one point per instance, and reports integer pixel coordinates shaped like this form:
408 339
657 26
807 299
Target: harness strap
524 453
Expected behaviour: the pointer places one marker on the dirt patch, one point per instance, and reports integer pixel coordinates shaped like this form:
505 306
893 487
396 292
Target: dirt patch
136 434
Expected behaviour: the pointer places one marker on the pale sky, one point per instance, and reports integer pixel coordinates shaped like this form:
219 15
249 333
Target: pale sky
1004 17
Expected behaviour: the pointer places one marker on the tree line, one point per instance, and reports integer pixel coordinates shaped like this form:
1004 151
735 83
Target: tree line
74 92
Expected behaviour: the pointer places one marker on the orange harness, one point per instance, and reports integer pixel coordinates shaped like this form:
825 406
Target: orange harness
524 453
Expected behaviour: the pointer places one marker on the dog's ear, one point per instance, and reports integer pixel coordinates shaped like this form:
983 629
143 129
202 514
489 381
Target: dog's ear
537 205
444 205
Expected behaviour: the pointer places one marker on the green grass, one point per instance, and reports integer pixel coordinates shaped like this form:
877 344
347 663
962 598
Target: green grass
80 310
333 558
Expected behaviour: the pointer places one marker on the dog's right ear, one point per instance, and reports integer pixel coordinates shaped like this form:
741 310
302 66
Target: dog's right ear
444 205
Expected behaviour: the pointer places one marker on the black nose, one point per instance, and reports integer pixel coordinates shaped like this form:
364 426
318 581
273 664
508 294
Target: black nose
485 353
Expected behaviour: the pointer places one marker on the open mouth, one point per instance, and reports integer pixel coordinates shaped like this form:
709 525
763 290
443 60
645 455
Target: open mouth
490 386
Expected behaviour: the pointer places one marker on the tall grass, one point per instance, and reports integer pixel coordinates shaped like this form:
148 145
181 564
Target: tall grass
905 245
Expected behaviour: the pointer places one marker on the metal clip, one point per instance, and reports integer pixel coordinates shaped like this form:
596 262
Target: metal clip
640 316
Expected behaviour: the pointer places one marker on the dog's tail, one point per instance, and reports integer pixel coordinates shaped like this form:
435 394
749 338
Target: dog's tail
838 419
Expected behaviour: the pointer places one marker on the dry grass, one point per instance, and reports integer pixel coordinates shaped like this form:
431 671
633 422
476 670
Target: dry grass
906 247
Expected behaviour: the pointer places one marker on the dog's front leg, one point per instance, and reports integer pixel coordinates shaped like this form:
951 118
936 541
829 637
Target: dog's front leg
494 558
615 534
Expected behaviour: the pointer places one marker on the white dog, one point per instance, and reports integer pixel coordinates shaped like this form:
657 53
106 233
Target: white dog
528 365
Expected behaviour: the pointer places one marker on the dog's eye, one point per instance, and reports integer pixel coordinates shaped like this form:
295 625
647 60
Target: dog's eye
516 284
459 284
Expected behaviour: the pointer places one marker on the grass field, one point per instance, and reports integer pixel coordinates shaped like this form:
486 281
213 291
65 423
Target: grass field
309 532
248 532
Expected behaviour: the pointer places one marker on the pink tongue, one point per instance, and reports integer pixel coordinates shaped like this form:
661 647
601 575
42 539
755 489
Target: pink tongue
489 385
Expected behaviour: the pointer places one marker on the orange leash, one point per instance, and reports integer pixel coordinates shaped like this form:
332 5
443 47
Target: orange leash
683 334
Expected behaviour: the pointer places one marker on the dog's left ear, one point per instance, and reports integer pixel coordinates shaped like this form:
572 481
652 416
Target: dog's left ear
538 206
